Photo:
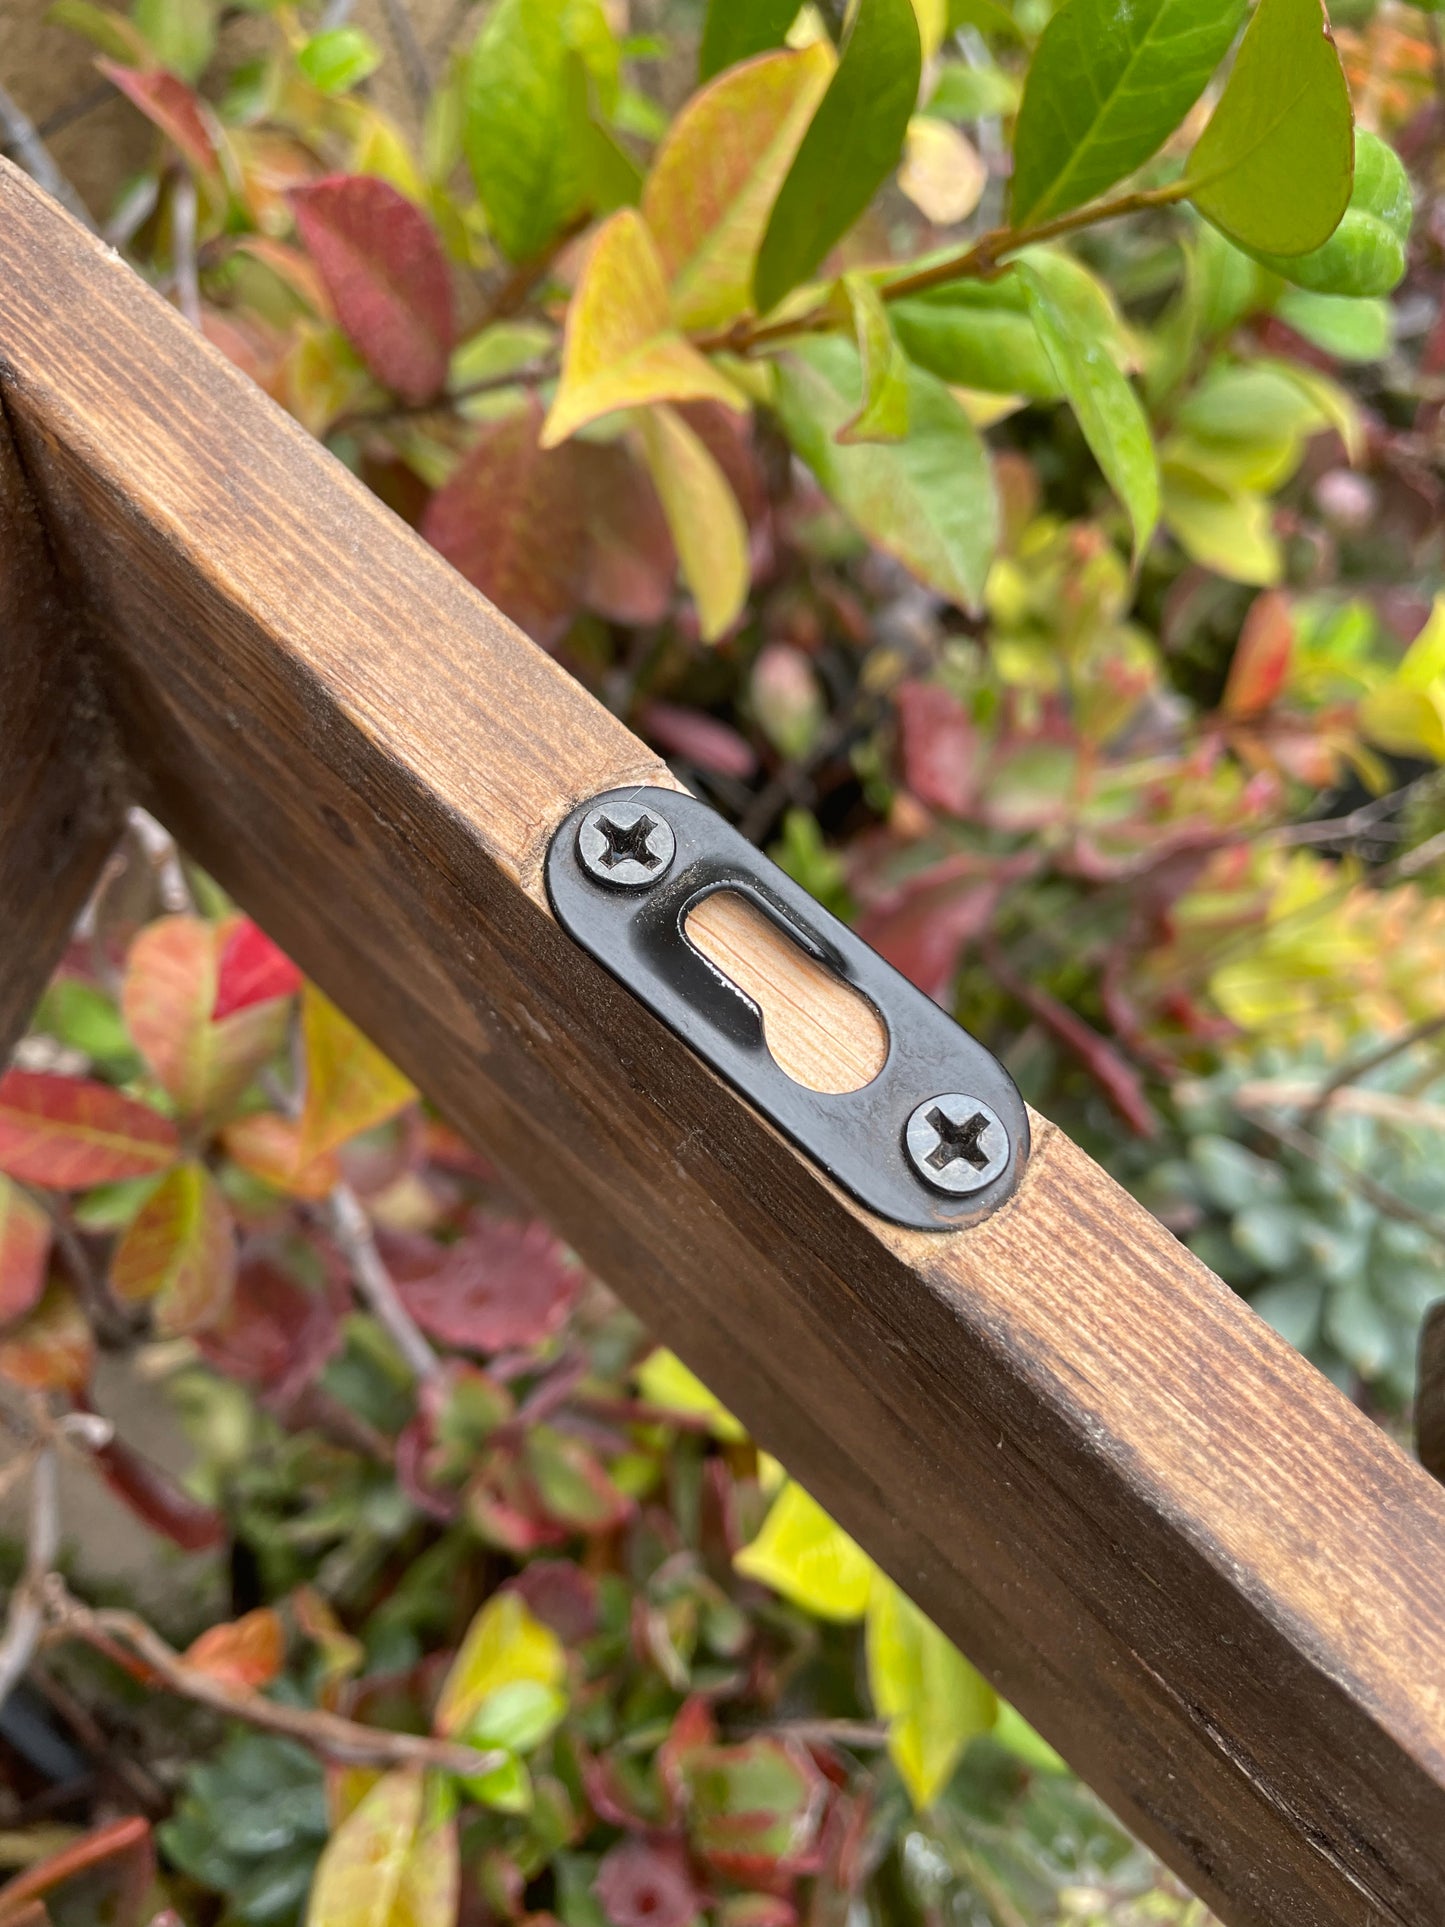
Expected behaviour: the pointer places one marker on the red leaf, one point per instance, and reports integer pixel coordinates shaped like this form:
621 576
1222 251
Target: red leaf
924 935
275 1334
939 747
244 1655
645 1883
503 1285
153 1496
24 1250
631 564
51 1349
699 739
171 105
67 1133
387 276
1261 663
1117 1079
510 519
167 997
252 970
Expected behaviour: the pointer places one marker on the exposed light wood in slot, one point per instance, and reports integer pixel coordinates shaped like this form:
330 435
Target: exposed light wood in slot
821 1031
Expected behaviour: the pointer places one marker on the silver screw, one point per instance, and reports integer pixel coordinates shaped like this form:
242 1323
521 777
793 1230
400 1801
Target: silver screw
957 1144
625 846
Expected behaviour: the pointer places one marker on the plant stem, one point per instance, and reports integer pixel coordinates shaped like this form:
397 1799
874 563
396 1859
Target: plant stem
24 143
325 1733
978 261
1361 1067
25 1620
352 1230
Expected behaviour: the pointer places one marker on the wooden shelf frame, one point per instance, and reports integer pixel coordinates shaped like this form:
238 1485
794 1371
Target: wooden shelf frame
1205 1576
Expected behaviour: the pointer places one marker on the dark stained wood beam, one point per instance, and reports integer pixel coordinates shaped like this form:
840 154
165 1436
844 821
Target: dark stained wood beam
59 813
1207 1578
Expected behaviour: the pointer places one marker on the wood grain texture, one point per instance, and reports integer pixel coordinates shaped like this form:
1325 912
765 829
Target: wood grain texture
1201 1572
58 814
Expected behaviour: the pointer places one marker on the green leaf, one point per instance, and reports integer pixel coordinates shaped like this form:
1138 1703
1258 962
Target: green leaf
973 93
517 1717
988 16
933 1700
1108 85
738 29
708 529
1273 168
1348 329
181 33
621 348
928 500
883 416
503 1644
519 128
1012 1730
506 1789
850 149
977 334
801 1554
718 172
103 28
337 60
1366 253
1109 412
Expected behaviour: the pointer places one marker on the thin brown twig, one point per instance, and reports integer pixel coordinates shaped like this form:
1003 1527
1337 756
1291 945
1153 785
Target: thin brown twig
352 1230
1351 1073
404 38
1291 1093
23 143
980 260
1379 1195
325 1733
25 1618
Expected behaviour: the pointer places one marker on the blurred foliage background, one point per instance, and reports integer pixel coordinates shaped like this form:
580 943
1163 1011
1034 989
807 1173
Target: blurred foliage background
1023 523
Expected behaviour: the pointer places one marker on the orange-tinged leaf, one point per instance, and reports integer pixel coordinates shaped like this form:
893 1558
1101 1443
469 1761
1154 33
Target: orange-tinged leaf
24 1250
171 105
621 348
269 1146
350 1086
67 1133
245 1654
1262 656
717 174
179 1252
172 983
387 276
51 1350
167 998
393 1860
707 525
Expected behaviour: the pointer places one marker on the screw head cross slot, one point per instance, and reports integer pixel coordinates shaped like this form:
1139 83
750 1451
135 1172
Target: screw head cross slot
625 846
956 1144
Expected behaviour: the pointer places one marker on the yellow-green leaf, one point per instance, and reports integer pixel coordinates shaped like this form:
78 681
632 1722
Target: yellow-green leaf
1407 713
708 529
350 1086
665 1381
801 1554
717 174
503 1644
179 1252
393 1860
621 348
933 1700
932 18
1273 168
1226 530
883 416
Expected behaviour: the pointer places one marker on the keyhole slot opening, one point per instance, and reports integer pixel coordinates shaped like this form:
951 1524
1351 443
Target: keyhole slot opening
821 1032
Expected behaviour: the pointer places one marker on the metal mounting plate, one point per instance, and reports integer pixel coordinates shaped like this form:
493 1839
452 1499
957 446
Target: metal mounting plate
639 935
